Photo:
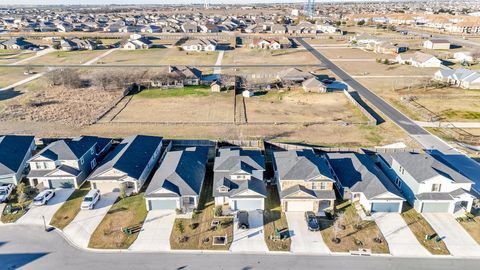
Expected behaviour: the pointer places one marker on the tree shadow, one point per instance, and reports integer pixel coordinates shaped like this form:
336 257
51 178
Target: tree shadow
9 94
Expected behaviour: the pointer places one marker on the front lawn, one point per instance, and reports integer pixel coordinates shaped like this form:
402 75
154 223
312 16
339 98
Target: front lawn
199 90
69 210
349 233
129 212
275 219
198 232
15 207
472 225
420 228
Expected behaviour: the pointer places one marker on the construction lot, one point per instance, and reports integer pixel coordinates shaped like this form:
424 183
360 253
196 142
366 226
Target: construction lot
164 56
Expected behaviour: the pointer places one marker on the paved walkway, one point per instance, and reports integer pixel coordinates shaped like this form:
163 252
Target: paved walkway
85 223
303 240
449 124
36 214
24 81
458 241
400 238
250 240
218 68
155 233
98 58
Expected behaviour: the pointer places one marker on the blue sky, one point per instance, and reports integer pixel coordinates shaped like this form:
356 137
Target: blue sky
93 2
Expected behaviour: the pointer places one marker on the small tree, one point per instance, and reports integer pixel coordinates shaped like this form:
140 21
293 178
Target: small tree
21 188
360 23
218 211
22 199
180 227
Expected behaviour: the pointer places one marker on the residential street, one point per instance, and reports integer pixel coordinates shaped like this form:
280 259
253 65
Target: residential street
303 240
155 233
29 247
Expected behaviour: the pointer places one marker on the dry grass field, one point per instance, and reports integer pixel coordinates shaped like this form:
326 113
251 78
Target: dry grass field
246 56
351 53
12 56
66 57
160 56
372 68
10 75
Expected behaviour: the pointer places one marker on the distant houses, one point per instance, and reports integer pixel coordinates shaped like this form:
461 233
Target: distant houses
77 44
437 44
270 44
16 43
199 45
137 42
463 78
418 59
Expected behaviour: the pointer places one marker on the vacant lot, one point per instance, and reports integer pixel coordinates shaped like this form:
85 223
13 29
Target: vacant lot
170 56
178 105
373 68
351 53
12 56
10 75
246 56
66 57
300 107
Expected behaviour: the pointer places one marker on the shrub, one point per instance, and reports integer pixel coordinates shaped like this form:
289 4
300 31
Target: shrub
218 211
180 227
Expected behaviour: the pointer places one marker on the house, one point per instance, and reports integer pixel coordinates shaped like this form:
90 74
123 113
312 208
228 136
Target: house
247 93
67 163
15 151
129 164
216 86
437 44
363 39
314 85
389 48
304 181
238 179
270 44
428 184
463 78
77 44
357 178
463 57
137 42
198 45
178 181
16 43
293 76
418 59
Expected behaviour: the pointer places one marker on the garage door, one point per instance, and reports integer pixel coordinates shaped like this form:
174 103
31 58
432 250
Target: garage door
7 180
435 207
385 207
299 206
106 187
162 204
248 205
61 183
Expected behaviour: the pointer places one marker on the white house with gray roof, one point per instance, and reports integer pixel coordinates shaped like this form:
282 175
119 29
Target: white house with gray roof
67 163
238 179
178 181
360 180
463 78
129 164
304 181
428 184
14 154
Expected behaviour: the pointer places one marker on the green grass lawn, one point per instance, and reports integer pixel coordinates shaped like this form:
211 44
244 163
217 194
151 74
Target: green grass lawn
125 213
69 210
174 92
457 114
274 218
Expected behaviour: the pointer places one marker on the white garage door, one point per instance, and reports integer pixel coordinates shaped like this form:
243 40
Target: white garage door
106 187
299 206
248 205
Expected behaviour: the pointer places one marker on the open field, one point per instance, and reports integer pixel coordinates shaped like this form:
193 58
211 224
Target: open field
10 75
328 41
170 56
66 57
297 106
12 56
246 56
372 68
352 53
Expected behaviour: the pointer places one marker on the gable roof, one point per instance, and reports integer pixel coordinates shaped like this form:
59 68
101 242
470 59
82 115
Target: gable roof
13 150
68 149
359 173
234 159
181 172
300 165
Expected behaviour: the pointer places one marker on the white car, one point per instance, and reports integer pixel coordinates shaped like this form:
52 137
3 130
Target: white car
5 191
43 197
89 201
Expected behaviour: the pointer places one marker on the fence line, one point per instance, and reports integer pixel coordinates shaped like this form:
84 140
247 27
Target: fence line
371 119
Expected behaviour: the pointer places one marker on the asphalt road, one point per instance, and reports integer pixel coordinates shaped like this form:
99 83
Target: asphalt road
29 247
433 144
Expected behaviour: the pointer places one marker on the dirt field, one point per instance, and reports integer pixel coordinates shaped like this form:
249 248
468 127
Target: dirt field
356 68
256 56
160 56
301 107
66 57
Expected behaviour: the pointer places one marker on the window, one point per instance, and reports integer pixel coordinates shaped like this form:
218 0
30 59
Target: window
93 163
222 189
319 185
81 161
398 182
92 151
436 187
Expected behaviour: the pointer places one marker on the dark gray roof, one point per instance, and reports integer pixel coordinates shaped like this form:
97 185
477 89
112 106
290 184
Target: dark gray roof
181 172
359 173
315 194
434 196
131 156
69 149
301 165
13 150
424 166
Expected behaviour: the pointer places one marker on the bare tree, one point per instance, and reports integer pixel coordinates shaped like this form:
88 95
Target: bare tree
66 77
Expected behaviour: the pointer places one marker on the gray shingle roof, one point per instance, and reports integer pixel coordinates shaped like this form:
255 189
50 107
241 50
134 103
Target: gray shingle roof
315 194
360 174
69 149
131 156
424 166
436 196
13 150
301 165
181 172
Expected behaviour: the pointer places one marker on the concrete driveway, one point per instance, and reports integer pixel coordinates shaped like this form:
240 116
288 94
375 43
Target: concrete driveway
458 241
401 240
85 223
34 215
303 240
155 233
252 239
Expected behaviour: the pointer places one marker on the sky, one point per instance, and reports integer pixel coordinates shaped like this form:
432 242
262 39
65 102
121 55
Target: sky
131 2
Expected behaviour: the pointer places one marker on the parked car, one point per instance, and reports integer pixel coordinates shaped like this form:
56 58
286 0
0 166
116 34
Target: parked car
43 197
5 191
243 220
89 201
327 81
312 221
